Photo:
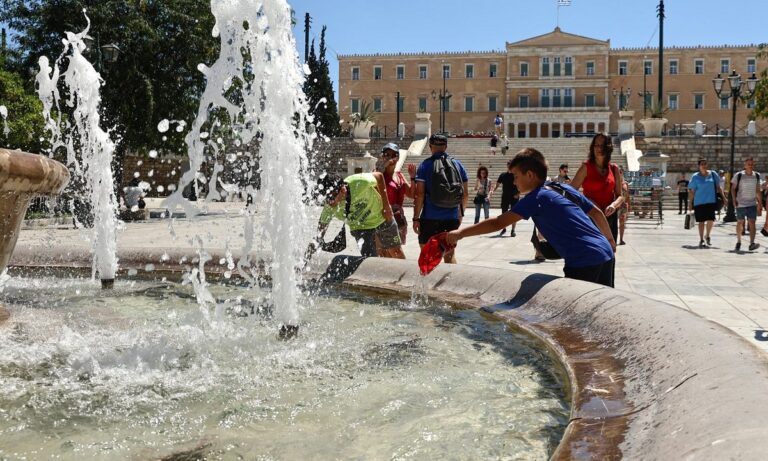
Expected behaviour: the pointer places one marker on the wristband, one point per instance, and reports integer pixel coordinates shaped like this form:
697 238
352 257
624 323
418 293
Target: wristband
416 219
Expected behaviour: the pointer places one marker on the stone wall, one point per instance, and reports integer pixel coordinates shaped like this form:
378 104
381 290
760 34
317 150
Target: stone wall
684 152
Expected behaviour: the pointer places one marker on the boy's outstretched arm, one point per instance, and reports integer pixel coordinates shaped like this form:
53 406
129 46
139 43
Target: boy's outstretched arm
484 227
599 218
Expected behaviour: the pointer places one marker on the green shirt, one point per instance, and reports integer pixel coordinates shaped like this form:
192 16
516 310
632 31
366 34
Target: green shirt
366 208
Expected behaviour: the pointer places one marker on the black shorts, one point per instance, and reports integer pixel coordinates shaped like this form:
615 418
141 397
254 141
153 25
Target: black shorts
704 212
430 227
507 204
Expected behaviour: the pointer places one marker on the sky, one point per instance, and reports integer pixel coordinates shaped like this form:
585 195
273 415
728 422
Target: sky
386 26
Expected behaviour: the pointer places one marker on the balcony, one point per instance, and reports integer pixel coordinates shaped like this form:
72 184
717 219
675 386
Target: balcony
559 109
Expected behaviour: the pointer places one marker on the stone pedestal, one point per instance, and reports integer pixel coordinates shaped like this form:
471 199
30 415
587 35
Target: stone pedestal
626 123
363 164
654 160
423 126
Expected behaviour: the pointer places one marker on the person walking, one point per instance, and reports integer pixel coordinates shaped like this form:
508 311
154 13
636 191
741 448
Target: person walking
601 180
497 122
397 186
704 187
509 194
562 175
441 194
482 193
682 194
748 202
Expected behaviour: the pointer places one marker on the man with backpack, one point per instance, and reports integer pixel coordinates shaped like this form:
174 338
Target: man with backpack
441 194
748 202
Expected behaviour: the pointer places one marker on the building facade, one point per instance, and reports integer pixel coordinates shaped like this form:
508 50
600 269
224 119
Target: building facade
546 86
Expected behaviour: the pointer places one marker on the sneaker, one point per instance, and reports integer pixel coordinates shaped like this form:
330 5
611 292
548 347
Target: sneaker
709 242
622 242
738 246
701 244
503 231
764 231
512 234
754 246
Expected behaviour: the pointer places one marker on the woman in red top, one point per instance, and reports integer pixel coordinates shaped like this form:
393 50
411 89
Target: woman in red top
601 180
397 187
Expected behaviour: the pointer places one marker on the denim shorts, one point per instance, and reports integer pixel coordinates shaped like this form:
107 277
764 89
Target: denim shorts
748 212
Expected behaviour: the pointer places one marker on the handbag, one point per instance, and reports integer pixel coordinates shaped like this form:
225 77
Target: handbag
719 199
340 241
688 221
479 199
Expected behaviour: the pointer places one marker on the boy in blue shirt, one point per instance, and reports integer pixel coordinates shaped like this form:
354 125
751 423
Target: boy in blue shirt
586 245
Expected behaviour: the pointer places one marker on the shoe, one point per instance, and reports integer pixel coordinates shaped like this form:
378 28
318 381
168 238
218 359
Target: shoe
754 246
622 242
679 212
512 234
701 244
764 232
503 231
540 259
738 246
709 242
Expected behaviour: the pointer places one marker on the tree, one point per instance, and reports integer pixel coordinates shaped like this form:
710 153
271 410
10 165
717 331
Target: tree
761 92
25 115
319 91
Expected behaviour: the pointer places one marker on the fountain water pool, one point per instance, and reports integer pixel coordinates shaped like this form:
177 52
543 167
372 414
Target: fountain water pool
136 372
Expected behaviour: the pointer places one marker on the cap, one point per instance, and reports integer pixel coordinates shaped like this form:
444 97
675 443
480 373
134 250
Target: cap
438 140
390 146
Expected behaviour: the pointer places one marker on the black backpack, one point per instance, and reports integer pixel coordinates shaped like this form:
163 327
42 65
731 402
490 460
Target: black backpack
447 188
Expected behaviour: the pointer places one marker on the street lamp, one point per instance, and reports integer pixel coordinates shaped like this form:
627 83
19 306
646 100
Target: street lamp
442 95
104 53
736 90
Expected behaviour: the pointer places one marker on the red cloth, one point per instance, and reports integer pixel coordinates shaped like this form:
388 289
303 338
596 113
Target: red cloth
395 188
432 253
598 188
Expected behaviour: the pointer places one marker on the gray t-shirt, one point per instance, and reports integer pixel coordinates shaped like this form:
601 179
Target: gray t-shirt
746 194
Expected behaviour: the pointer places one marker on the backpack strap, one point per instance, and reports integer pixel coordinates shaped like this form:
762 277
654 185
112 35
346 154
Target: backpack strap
557 187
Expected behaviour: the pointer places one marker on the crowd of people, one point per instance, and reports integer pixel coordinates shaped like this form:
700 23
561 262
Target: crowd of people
580 219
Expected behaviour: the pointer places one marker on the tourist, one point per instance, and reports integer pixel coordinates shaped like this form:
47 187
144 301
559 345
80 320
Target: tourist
764 230
132 196
509 194
748 201
441 194
397 187
702 199
497 122
482 193
601 180
494 144
624 209
361 201
562 175
682 194
563 216
721 173
504 144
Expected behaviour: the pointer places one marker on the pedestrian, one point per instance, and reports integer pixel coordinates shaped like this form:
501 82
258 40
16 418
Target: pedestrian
482 193
764 188
497 122
571 223
509 194
562 175
601 180
397 187
360 200
682 194
504 144
748 202
441 194
704 187
494 144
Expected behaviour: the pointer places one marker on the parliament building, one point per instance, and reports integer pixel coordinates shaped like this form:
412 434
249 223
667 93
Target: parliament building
551 85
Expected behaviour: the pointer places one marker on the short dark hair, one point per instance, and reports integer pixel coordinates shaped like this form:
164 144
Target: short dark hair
329 187
702 160
607 150
564 165
529 159
438 140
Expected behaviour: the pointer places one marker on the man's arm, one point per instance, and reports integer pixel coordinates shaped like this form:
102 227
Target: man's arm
418 205
464 201
381 188
484 227
599 218
314 244
759 196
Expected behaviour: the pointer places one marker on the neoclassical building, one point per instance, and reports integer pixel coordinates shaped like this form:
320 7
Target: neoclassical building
544 86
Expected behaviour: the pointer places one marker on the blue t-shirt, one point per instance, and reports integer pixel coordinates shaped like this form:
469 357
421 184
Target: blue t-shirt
566 226
424 174
704 187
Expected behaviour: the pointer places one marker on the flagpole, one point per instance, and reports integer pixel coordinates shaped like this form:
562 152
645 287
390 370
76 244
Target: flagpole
558 15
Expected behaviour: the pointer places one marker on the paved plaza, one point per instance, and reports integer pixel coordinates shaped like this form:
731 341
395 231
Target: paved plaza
660 262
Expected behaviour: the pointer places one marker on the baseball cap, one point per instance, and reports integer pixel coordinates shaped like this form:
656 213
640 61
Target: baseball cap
390 146
438 140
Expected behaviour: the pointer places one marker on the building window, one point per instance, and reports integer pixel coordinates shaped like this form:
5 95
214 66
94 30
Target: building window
622 102
423 72
751 103
522 100
673 103
724 103
545 67
401 104
751 66
698 66
545 97
493 71
590 67
493 103
355 105
447 104
446 71
524 69
698 101
725 66
589 100
377 104
377 72
648 67
469 103
422 104
673 67
400 72
469 71
648 100
556 72
568 98
568 66
622 67
556 98
355 73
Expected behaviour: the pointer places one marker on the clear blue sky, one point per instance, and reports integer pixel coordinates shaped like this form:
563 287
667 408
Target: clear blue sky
365 26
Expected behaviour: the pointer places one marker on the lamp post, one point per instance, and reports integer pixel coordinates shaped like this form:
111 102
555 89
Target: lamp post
104 53
736 90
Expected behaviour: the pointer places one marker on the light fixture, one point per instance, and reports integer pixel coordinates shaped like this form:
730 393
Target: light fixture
718 83
110 52
752 83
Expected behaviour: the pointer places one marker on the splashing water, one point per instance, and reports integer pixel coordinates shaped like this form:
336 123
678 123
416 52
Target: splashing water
253 95
4 114
89 148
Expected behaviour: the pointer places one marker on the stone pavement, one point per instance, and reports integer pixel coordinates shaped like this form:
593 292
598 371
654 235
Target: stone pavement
660 262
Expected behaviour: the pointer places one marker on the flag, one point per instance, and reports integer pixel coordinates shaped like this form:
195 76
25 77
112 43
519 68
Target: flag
563 2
